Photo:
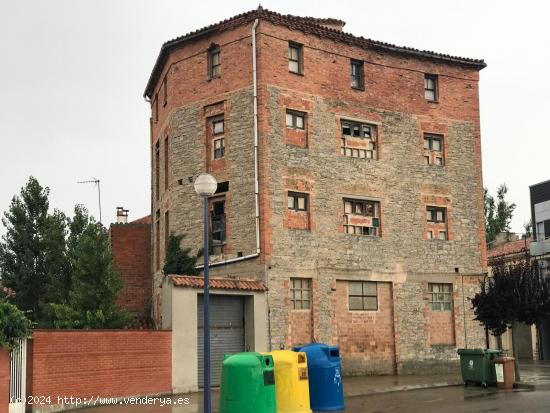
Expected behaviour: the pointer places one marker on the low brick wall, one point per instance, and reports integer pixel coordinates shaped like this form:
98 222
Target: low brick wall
4 380
87 364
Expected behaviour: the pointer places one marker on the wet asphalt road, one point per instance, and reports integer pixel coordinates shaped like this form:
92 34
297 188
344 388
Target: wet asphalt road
456 399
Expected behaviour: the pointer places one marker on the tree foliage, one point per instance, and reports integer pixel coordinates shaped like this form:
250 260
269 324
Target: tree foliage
32 252
498 213
61 269
178 260
13 325
514 293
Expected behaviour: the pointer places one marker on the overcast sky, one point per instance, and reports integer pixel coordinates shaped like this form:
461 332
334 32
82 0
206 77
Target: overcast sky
73 74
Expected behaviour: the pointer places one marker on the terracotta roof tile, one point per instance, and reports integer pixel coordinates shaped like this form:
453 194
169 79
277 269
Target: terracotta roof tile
309 25
510 248
218 283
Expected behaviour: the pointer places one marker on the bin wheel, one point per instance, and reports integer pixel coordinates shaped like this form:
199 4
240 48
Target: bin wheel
484 385
465 384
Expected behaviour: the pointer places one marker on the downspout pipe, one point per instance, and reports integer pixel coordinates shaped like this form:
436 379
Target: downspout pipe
256 159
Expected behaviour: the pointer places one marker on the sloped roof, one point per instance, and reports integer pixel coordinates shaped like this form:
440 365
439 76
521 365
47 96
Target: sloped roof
309 25
143 220
510 248
218 283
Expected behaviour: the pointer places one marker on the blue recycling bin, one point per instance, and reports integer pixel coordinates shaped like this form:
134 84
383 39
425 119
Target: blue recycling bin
326 391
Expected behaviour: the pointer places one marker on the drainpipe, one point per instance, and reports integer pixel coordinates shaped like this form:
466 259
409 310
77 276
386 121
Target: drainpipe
256 184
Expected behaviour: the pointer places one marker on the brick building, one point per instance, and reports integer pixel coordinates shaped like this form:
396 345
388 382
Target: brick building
350 192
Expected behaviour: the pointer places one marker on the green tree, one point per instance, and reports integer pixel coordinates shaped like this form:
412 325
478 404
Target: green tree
95 282
13 325
178 260
32 252
498 213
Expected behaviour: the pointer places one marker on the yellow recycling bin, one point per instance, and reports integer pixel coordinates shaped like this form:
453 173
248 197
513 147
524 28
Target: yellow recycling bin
291 381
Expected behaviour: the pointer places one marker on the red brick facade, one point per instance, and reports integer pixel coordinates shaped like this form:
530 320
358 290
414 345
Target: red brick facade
4 380
99 363
131 246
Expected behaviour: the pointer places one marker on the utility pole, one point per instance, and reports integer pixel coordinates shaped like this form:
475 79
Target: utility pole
97 183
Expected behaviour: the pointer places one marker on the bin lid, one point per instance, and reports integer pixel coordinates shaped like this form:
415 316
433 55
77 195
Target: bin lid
471 351
248 359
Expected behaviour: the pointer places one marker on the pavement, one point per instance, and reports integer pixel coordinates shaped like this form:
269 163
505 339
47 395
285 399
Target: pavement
378 394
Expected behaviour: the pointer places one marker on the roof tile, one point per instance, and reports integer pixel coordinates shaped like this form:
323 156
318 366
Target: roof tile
218 283
309 25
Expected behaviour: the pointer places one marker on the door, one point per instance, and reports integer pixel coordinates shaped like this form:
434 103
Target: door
226 332
18 377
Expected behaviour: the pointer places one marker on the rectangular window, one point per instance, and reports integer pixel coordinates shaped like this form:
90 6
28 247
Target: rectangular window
297 201
433 149
217 129
214 62
543 230
157 170
300 293
295 120
166 231
361 217
357 76
218 219
165 97
363 295
358 140
430 88
295 58
435 214
156 106
157 241
440 296
166 162
219 148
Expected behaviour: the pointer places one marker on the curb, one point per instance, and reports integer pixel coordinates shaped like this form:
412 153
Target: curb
406 387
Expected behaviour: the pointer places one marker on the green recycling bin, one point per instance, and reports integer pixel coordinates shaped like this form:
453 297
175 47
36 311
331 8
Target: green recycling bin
477 367
248 384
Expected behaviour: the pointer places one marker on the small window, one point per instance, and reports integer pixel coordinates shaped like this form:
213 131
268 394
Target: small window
219 148
295 58
156 105
218 222
362 137
361 217
435 214
440 296
214 62
165 89
222 187
430 88
433 149
430 234
297 201
442 235
295 120
157 170
217 127
363 295
357 77
300 290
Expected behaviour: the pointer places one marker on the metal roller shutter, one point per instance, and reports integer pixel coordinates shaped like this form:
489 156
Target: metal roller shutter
226 332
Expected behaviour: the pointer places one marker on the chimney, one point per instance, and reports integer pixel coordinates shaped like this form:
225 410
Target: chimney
330 23
121 215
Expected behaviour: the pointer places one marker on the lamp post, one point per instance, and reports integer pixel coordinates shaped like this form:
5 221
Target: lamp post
205 186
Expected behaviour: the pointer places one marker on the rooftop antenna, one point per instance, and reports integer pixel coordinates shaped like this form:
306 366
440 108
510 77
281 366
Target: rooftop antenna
96 182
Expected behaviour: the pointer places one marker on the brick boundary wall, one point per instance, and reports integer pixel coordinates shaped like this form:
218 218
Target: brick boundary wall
92 363
4 380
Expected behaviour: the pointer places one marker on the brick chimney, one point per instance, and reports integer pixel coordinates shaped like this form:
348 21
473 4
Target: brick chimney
121 215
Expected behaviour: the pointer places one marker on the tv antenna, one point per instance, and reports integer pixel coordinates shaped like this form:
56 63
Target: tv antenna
96 182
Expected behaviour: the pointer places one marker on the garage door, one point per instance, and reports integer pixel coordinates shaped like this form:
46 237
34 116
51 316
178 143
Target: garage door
226 332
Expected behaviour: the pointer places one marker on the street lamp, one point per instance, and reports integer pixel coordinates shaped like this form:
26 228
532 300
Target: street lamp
205 186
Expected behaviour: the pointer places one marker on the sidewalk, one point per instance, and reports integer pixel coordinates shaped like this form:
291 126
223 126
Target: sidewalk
535 374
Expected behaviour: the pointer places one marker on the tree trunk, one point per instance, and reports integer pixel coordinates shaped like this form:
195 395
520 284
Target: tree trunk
516 353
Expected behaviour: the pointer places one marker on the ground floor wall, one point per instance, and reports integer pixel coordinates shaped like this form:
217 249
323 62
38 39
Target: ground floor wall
403 335
4 379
